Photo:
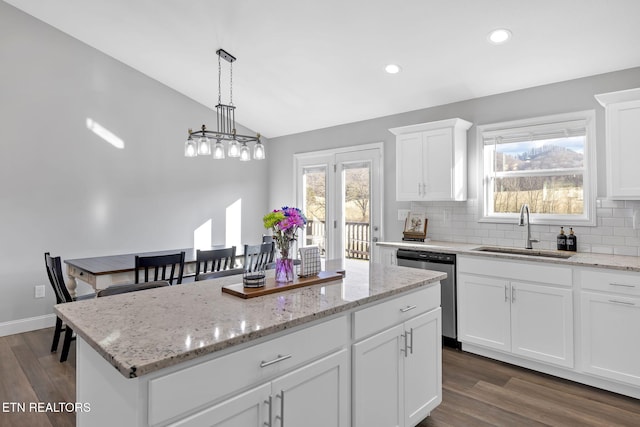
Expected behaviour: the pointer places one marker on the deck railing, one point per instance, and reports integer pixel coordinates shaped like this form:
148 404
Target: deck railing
357 238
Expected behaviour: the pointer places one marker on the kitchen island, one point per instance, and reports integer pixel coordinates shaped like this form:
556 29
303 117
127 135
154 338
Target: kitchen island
362 351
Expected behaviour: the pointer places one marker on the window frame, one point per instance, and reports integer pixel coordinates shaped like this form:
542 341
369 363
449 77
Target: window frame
551 122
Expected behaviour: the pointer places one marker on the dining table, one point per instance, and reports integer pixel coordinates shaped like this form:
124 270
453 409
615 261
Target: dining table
103 271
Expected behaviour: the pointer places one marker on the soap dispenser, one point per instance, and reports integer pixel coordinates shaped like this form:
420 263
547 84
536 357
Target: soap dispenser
572 241
562 240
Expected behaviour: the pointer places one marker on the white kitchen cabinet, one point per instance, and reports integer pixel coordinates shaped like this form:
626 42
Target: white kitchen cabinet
524 318
311 396
610 315
398 373
388 255
622 111
249 409
431 161
422 367
484 311
315 395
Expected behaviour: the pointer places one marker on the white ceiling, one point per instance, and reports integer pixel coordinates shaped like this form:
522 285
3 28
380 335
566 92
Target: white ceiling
310 64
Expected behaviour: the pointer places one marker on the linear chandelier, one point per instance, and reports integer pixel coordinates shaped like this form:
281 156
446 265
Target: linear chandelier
199 142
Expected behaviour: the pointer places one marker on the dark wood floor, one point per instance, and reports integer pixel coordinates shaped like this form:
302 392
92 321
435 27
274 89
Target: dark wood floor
477 391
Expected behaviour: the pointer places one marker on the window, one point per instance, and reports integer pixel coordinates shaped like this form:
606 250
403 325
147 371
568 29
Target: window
546 162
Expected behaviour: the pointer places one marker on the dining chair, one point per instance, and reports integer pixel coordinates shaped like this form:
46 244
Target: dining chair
256 257
266 238
56 278
160 264
216 263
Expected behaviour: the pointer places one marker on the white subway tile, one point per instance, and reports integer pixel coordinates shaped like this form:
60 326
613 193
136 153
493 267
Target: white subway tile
602 249
625 250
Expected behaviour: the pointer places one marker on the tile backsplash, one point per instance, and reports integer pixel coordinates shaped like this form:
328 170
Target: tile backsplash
458 222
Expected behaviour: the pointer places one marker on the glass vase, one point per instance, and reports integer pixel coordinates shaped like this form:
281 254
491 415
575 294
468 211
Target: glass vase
284 270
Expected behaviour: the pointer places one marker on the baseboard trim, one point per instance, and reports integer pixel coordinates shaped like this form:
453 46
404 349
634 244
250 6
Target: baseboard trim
25 325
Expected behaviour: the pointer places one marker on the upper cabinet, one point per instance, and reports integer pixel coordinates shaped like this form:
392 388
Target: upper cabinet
623 143
431 161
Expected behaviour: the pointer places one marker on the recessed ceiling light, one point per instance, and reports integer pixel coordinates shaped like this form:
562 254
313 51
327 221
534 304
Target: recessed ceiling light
499 36
392 69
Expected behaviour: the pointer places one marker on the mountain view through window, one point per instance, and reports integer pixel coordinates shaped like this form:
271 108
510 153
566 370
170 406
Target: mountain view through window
545 174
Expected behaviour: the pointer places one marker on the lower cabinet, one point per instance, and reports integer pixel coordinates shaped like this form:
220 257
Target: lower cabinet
529 319
387 255
315 395
610 314
398 373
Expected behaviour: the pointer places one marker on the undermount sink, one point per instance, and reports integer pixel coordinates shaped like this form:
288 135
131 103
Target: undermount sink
529 252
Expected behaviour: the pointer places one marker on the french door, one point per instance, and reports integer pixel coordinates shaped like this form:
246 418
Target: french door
340 191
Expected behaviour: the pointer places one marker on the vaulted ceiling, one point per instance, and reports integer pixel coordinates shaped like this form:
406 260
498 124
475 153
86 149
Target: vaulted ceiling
308 64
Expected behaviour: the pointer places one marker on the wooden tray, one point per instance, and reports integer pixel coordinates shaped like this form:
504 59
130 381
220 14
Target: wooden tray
272 286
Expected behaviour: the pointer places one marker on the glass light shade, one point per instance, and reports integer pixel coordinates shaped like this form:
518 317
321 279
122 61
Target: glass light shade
258 151
218 150
190 149
204 146
245 154
234 149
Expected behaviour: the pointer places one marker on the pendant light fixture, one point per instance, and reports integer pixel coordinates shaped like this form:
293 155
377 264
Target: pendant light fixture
199 142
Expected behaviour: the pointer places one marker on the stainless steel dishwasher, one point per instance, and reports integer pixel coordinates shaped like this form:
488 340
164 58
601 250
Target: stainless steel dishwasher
445 263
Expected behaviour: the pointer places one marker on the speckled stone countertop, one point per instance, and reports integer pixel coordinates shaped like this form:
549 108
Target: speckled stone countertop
614 262
141 332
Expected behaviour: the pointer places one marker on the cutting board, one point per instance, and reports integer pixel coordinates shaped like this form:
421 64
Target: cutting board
271 286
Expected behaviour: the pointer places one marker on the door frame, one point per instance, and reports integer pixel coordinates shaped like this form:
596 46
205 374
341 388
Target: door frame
303 159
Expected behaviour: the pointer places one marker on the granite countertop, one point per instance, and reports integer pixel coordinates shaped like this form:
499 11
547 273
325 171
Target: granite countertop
141 332
614 262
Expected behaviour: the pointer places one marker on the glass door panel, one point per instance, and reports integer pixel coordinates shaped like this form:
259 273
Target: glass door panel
314 205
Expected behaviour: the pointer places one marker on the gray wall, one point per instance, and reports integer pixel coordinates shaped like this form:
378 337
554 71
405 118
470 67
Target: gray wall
574 95
65 190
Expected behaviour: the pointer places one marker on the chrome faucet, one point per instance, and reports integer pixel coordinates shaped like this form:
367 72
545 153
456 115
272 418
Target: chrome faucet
525 209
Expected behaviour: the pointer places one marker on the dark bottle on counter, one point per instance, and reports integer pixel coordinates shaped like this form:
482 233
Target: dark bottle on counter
572 241
562 240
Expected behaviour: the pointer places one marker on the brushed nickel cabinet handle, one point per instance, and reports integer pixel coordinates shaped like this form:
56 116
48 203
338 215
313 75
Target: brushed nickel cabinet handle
278 359
408 308
281 416
621 302
269 402
624 285
404 350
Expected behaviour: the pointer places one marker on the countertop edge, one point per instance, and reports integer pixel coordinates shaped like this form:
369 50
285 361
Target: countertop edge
580 259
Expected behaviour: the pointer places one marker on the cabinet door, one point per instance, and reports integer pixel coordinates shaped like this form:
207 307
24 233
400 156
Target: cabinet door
438 164
542 323
611 336
378 370
623 128
388 256
423 367
315 395
409 157
484 311
248 409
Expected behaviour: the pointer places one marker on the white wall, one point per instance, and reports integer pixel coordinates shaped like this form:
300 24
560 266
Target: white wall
65 190
574 95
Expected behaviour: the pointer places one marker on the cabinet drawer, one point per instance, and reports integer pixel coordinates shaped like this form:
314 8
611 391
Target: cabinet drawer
396 310
182 391
516 270
627 283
